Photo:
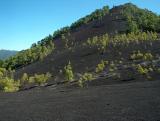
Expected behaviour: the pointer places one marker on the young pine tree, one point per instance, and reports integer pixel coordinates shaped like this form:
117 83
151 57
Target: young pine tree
68 72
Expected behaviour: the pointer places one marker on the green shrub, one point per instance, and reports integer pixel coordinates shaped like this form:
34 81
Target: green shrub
101 42
148 56
65 41
37 78
146 71
68 72
112 67
2 72
9 85
141 56
24 78
80 83
42 78
85 77
101 66
6 73
31 79
142 70
136 56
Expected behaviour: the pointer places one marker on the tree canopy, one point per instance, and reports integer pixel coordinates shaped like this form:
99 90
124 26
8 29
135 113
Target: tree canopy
140 19
36 52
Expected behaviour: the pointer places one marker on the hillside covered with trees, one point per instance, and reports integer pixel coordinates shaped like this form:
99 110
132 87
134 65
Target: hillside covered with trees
138 20
143 25
4 54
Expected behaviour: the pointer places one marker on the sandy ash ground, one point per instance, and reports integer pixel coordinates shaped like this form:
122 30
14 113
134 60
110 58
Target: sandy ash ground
137 101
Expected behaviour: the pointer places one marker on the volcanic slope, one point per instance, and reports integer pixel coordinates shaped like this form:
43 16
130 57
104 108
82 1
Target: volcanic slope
111 23
85 58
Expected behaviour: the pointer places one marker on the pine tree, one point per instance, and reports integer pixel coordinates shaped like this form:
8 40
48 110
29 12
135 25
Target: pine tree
68 72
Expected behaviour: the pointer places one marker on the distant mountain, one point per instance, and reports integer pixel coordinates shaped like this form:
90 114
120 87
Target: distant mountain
4 54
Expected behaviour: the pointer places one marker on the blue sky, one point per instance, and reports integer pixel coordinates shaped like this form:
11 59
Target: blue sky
23 22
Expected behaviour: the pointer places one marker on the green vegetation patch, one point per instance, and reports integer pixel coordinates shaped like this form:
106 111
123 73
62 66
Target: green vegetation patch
68 72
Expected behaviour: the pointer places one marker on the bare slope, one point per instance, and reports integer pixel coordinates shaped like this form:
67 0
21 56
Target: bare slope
111 23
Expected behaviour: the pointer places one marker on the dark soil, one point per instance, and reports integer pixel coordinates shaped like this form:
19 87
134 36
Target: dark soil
137 101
